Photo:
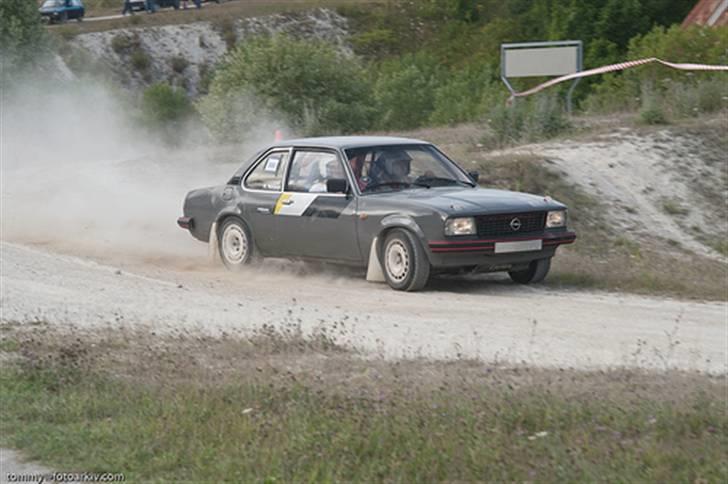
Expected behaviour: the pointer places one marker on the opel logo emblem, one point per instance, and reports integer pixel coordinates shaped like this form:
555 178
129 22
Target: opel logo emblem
516 224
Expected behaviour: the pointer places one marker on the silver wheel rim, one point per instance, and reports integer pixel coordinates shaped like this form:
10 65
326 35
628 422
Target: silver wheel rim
234 244
397 261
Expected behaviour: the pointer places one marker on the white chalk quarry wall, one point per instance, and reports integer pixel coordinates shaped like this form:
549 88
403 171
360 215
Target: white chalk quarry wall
200 44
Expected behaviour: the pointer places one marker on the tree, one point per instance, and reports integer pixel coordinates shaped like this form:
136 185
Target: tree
311 86
22 37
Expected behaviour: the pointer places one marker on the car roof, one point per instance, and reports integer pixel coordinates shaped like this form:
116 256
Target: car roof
343 142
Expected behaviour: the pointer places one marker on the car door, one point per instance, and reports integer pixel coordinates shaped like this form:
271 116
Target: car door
263 185
311 221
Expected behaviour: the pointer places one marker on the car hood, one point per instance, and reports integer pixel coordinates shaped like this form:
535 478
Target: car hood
473 201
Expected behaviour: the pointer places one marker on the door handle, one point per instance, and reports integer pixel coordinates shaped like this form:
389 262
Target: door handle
287 202
262 210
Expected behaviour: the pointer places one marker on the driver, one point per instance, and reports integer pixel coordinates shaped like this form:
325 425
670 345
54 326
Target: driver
393 166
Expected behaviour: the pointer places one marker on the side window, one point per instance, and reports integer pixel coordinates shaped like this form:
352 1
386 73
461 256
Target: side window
268 174
311 169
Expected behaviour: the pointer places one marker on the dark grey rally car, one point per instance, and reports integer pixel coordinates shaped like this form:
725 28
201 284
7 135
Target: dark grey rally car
397 206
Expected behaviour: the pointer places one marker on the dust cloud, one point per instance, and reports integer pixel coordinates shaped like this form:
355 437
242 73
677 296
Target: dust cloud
79 170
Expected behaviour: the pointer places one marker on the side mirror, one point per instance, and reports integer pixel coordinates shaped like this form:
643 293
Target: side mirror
474 175
336 185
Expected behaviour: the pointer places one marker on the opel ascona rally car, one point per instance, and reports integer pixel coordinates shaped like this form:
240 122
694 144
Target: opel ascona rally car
397 206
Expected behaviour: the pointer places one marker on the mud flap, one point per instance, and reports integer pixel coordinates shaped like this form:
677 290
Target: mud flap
213 251
374 268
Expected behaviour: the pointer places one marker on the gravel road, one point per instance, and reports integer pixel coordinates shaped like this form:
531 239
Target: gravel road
487 317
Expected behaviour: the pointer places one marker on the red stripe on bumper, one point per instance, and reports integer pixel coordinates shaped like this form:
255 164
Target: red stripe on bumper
488 245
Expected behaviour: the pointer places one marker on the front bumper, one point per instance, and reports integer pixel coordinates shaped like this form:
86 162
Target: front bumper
481 252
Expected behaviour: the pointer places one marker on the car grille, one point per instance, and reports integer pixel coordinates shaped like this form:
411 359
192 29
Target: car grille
500 225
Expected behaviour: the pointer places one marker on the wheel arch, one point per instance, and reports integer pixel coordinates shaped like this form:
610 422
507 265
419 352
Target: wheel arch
405 222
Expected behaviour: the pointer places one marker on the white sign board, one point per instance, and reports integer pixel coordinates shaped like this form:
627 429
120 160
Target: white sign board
544 61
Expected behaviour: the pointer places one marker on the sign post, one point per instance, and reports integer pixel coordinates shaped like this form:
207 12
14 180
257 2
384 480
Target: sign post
531 59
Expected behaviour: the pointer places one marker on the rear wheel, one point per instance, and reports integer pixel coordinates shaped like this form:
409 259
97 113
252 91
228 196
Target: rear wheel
536 272
406 267
235 244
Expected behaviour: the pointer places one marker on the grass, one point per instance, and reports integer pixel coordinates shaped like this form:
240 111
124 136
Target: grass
673 207
282 408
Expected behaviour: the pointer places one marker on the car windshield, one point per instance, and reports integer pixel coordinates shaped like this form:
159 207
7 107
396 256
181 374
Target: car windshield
51 3
402 167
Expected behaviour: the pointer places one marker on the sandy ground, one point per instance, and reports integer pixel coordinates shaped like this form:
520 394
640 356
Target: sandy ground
485 317
13 468
637 175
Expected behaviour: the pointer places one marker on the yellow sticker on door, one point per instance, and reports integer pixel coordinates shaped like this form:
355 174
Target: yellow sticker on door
294 204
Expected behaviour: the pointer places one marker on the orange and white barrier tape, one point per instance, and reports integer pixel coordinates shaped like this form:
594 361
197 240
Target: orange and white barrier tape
617 67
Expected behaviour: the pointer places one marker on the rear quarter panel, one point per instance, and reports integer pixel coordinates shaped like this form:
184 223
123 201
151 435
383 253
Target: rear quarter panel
202 205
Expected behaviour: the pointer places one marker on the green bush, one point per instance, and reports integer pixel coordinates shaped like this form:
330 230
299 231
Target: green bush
23 40
140 61
123 43
533 119
166 110
467 95
404 91
678 91
375 42
311 86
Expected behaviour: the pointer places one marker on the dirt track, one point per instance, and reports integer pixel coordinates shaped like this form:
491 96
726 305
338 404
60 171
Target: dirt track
486 317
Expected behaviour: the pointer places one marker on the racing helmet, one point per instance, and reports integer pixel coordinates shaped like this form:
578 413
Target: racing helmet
396 162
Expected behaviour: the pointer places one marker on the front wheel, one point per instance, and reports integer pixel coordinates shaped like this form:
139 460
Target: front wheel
536 272
406 267
235 244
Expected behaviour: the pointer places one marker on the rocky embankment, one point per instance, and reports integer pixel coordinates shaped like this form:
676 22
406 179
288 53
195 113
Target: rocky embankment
185 54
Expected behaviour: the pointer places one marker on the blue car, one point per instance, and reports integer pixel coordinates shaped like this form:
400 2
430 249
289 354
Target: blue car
62 10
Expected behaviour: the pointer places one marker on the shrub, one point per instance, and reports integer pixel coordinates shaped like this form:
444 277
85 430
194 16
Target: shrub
140 61
651 112
375 42
405 91
310 85
466 95
226 27
528 119
166 110
23 40
179 64
122 43
623 91
162 103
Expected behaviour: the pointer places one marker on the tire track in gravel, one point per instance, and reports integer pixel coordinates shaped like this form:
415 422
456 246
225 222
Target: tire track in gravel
487 318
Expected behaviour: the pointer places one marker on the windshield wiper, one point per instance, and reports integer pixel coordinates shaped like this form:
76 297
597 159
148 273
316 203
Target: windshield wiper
393 183
427 180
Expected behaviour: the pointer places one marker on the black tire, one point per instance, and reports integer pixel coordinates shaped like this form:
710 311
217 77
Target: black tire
235 244
536 272
404 262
